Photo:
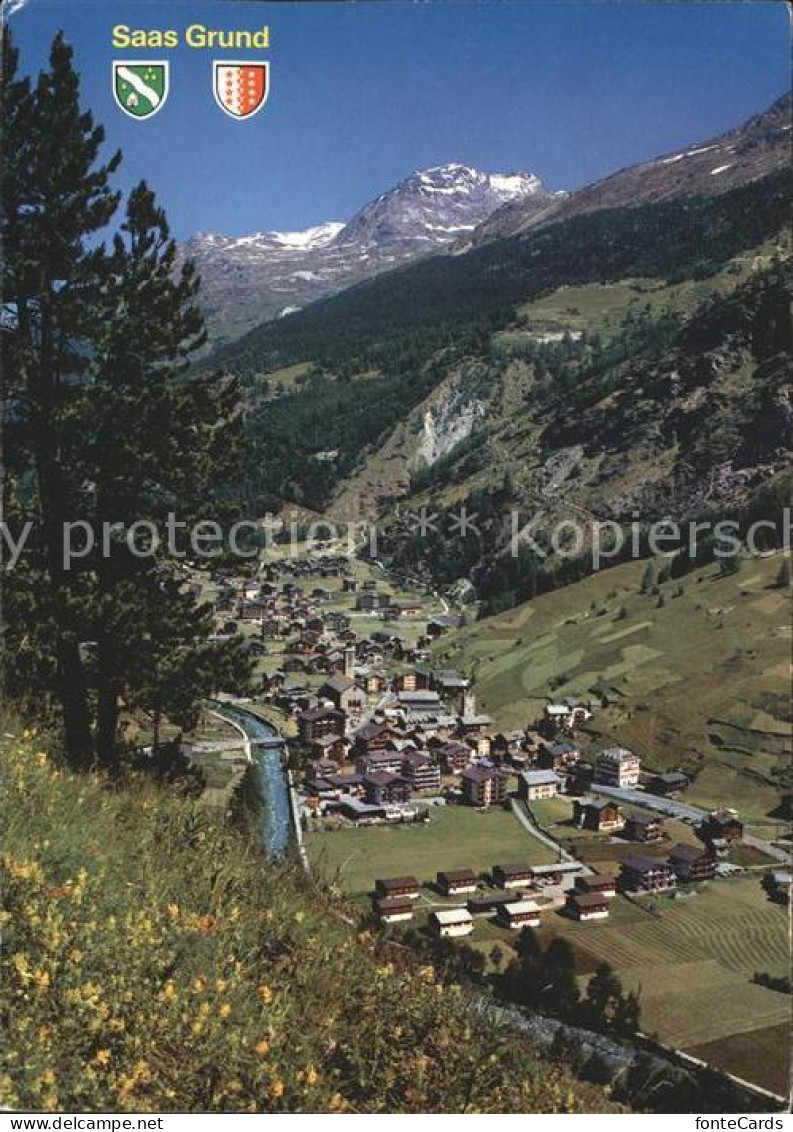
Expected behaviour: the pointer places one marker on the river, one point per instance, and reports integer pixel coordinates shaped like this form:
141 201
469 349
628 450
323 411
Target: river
275 818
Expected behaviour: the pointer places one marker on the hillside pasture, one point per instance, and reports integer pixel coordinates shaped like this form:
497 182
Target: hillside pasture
701 670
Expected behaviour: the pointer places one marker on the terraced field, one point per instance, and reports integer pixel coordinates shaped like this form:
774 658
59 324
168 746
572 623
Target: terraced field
702 675
693 962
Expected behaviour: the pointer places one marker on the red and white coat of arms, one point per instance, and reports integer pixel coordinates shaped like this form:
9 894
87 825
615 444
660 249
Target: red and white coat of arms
241 89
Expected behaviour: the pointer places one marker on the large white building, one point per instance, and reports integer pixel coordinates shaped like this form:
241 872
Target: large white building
452 922
617 767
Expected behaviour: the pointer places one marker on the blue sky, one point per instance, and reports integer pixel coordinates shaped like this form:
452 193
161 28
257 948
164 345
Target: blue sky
364 93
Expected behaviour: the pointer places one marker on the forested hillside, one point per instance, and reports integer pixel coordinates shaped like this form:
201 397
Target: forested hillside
377 350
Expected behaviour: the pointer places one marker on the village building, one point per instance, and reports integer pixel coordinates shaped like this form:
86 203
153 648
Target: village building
343 784
587 905
483 786
318 721
617 767
485 903
669 783
455 756
382 788
413 681
521 914
721 825
389 760
370 602
642 827
646 874
471 725
371 737
355 809
397 886
447 682
319 768
601 815
778 885
456 882
419 701
692 863
558 756
393 910
534 785
443 623
422 771
451 922
409 610
512 876
330 747
597 883
564 716
344 693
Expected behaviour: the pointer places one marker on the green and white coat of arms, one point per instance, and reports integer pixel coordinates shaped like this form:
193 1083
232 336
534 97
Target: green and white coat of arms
140 88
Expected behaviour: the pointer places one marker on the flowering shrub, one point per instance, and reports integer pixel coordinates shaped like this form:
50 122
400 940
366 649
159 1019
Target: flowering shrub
155 962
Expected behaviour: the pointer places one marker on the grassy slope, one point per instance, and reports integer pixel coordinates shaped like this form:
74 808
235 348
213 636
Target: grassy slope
693 674
456 837
154 962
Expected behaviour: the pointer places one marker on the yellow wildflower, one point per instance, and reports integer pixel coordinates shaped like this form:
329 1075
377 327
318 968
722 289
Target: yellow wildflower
277 1089
266 994
263 1048
225 1010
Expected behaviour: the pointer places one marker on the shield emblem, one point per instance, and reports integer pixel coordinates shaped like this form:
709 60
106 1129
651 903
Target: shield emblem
240 89
140 88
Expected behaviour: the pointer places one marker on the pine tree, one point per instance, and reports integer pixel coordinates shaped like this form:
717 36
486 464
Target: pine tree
55 197
110 405
603 992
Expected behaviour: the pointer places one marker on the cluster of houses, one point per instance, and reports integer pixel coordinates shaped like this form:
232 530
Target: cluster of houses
514 895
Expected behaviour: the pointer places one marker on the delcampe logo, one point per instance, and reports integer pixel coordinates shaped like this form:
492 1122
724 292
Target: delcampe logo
140 88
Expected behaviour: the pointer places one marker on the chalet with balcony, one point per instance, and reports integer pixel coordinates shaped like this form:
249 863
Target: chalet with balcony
534 785
512 876
587 905
601 815
642 827
318 721
422 771
483 786
456 882
646 875
692 863
393 910
381 788
597 883
617 766
405 886
521 914
667 784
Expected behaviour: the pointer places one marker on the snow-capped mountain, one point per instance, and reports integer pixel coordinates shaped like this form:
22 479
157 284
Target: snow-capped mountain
247 279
